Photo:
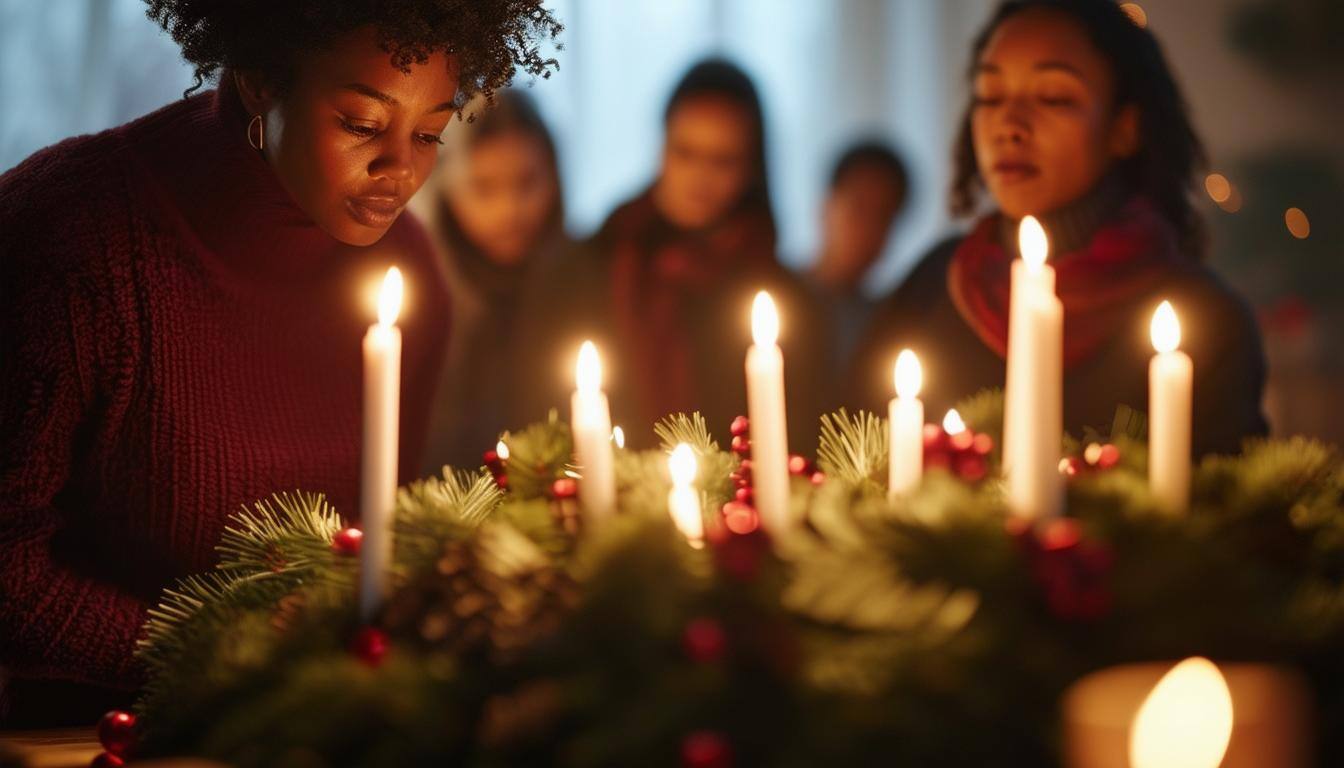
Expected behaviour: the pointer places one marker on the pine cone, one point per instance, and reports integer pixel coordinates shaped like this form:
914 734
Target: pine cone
496 593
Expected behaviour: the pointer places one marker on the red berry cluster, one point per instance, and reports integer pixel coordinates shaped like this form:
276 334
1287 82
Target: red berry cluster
1073 572
116 733
739 515
495 463
1097 457
964 454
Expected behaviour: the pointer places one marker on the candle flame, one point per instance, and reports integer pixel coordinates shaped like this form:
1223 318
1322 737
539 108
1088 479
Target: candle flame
502 451
682 465
618 436
952 423
1186 720
908 375
1032 243
1166 328
764 320
588 371
389 298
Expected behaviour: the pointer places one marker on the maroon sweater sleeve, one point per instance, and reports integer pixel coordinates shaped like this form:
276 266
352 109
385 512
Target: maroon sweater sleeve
58 307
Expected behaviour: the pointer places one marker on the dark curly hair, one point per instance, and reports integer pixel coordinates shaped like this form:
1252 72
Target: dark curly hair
491 38
1170 152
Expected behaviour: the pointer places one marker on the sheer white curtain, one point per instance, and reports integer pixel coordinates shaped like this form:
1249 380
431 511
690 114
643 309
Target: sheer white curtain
829 71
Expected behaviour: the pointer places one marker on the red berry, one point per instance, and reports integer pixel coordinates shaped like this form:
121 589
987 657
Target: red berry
116 732
106 760
746 495
347 541
740 518
741 445
565 488
704 640
490 458
706 749
370 645
1110 456
502 480
983 444
818 477
740 427
798 465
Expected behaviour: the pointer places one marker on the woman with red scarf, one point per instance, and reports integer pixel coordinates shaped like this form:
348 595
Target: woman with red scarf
676 269
1076 120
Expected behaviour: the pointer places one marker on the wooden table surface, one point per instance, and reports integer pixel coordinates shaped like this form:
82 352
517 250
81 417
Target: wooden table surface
54 748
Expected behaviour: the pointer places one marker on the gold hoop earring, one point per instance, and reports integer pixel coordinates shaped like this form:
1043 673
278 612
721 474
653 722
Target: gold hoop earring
260 143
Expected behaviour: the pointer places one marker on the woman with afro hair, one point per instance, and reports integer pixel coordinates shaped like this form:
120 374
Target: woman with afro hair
182 298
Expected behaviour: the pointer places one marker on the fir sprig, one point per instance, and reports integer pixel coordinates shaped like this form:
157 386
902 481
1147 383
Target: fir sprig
438 509
853 448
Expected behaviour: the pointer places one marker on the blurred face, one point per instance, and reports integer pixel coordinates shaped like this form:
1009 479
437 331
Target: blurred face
502 193
1044 123
351 137
708 161
857 216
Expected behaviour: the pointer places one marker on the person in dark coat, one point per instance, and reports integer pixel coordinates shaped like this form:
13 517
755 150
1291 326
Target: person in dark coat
182 300
495 210
1077 120
665 287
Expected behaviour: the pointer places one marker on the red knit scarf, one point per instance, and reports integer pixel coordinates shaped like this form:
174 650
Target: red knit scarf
658 273
1124 261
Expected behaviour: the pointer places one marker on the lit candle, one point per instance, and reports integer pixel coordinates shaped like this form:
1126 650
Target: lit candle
683 501
765 407
591 424
1034 391
378 472
1186 715
1170 378
906 416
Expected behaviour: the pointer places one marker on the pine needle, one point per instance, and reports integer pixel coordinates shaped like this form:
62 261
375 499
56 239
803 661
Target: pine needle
853 448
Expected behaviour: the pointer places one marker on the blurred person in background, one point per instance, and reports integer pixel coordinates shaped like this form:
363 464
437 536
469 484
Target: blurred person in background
676 268
496 215
868 190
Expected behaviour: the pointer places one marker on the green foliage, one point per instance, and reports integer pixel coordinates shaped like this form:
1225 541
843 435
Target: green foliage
875 631
853 448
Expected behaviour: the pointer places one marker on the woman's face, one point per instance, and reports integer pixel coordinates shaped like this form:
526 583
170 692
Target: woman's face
708 156
351 137
1044 123
503 193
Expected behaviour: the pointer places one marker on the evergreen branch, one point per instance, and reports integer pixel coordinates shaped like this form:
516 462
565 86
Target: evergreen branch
286 532
433 511
538 455
853 448
679 428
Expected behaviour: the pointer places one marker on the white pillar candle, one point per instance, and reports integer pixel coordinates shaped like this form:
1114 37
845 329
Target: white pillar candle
1170 381
683 501
765 407
906 435
590 421
378 470
1034 393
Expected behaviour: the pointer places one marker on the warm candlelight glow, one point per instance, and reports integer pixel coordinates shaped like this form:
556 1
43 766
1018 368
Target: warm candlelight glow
1186 722
909 376
952 423
1166 328
682 465
764 320
588 371
1031 242
389 298
502 451
618 437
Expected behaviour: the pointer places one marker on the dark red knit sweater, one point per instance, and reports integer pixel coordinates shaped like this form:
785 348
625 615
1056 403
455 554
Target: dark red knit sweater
177 340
